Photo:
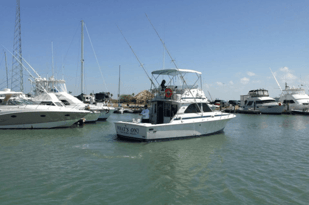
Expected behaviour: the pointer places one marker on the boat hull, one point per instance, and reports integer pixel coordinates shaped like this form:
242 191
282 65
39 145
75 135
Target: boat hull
92 117
176 130
271 110
105 113
29 119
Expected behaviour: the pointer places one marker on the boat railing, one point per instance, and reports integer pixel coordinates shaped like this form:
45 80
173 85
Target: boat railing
176 92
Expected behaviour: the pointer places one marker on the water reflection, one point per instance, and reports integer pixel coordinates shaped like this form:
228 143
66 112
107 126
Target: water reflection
182 164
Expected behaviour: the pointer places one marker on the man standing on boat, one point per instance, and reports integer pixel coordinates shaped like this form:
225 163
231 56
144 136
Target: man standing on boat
145 115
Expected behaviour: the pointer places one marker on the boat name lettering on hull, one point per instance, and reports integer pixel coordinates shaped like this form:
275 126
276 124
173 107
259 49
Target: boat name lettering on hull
126 130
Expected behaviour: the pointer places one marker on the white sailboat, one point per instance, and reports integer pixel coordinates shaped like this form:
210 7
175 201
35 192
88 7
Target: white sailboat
119 109
105 111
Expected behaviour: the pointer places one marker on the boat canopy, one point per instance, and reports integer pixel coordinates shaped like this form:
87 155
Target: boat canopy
174 72
9 92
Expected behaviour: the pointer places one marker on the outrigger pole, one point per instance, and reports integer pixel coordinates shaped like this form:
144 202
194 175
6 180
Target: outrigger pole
26 68
137 58
167 51
275 79
183 79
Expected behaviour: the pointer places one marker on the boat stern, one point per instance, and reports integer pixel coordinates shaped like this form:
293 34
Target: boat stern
133 131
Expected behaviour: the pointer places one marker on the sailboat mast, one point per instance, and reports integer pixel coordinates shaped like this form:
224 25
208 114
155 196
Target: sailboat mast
7 73
119 87
52 47
82 58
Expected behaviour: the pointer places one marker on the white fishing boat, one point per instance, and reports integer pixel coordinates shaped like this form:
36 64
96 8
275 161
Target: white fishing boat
294 99
98 111
177 111
18 113
259 100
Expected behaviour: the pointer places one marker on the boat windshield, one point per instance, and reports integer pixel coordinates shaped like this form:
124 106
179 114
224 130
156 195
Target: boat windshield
193 108
264 101
21 102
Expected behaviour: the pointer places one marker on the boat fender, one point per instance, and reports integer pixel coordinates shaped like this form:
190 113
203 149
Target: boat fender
168 92
279 104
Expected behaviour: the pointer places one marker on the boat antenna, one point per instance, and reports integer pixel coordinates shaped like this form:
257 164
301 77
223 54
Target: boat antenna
137 58
275 79
209 95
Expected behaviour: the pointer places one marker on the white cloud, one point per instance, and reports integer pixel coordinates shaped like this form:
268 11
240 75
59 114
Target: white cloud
250 73
290 76
219 83
231 83
207 85
287 75
284 69
244 80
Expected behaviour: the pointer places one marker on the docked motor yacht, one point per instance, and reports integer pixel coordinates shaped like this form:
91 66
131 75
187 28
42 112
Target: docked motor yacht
99 111
17 113
177 111
294 98
260 100
53 99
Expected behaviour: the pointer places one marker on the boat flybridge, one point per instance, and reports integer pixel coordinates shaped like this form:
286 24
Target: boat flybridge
295 98
16 112
177 111
259 100
100 111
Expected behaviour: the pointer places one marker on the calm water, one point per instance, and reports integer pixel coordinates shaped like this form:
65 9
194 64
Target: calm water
259 159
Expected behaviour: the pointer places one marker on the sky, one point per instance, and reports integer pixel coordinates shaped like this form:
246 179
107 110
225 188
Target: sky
234 43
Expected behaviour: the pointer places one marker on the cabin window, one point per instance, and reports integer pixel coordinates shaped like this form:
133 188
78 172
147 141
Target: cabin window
288 101
67 115
155 108
192 109
65 102
259 102
59 104
43 115
13 116
250 103
47 103
206 108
